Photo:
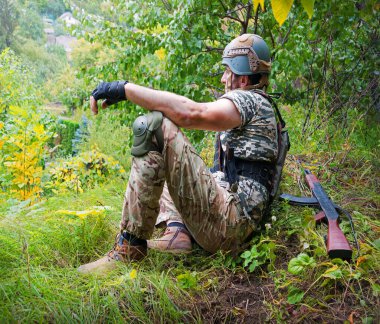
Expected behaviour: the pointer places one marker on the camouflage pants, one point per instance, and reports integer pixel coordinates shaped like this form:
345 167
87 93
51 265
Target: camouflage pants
210 212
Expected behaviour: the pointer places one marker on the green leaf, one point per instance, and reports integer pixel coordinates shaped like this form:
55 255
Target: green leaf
333 273
308 5
367 320
295 266
295 295
253 266
376 244
298 264
246 254
375 289
305 259
187 280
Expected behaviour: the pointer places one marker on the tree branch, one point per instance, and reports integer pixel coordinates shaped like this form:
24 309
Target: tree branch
247 17
256 22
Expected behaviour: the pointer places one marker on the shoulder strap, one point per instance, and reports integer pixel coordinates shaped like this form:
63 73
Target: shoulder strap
271 100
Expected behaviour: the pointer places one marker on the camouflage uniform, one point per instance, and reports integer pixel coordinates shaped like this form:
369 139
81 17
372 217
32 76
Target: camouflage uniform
192 193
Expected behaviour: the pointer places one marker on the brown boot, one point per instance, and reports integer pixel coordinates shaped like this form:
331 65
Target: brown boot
122 251
176 239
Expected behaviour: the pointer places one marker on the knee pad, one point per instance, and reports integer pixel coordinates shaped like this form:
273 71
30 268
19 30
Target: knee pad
144 128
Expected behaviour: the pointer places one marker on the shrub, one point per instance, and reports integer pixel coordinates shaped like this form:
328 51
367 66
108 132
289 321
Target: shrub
66 131
81 172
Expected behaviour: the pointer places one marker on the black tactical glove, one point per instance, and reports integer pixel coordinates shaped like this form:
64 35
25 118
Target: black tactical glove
113 92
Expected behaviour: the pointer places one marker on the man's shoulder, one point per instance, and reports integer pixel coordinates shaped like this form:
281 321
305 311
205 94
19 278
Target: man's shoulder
250 94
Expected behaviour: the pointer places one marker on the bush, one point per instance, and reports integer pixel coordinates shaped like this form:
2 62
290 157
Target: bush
66 132
82 172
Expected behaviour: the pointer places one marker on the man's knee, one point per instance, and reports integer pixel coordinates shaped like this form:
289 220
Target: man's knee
144 129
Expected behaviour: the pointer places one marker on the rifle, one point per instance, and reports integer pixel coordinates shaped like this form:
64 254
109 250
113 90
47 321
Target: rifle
337 244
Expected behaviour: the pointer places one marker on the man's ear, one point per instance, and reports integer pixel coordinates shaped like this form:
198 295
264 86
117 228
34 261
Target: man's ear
244 81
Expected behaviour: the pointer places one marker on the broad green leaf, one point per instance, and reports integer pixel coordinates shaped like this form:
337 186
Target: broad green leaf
246 254
295 266
187 280
253 266
257 3
333 273
295 295
305 259
281 9
308 5
298 264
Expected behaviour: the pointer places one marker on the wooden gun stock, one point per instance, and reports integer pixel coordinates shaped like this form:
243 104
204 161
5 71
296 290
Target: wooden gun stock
337 244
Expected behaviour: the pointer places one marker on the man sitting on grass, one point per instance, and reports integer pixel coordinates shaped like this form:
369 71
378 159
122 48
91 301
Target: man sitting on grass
169 182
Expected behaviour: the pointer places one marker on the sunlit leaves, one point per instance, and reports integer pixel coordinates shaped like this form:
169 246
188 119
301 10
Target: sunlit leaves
257 3
82 172
300 263
160 53
188 280
308 5
281 9
333 273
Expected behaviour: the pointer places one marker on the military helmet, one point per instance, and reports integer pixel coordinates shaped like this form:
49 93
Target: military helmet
247 54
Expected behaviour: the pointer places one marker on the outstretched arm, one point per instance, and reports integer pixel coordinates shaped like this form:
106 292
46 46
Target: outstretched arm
218 115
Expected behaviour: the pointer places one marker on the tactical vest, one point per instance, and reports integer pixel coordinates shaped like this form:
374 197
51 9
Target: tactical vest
266 173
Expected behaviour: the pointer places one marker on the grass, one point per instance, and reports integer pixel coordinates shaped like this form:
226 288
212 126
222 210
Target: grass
42 245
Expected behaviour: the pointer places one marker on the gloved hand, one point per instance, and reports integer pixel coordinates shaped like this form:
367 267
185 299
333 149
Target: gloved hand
112 92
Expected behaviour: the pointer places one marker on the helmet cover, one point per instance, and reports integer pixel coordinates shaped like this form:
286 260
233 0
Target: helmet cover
247 54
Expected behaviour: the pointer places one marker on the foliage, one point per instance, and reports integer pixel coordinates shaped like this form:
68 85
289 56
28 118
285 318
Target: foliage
281 9
12 74
66 88
30 24
50 8
259 254
23 130
46 62
300 263
111 132
81 136
187 280
8 22
66 131
177 47
86 170
23 152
